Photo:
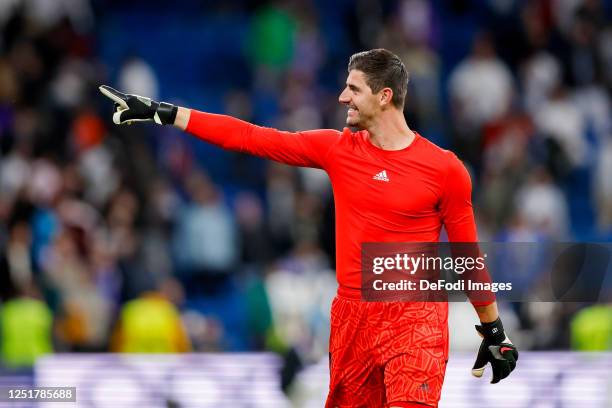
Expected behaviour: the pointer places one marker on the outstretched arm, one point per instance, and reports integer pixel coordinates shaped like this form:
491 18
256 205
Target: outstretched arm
307 148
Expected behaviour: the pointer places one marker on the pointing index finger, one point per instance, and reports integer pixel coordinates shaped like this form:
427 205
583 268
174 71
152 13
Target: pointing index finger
113 94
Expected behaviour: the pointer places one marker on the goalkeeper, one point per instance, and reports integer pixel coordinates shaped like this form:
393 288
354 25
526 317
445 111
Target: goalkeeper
389 354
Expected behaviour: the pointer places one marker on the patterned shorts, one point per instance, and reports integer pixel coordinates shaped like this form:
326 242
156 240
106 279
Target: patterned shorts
386 354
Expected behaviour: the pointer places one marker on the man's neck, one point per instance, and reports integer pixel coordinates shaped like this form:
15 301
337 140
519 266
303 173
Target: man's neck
390 131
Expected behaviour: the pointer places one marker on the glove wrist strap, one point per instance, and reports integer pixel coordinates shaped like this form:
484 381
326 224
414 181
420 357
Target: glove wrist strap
493 331
166 113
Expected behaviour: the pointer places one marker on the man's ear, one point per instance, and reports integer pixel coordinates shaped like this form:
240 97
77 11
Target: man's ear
385 96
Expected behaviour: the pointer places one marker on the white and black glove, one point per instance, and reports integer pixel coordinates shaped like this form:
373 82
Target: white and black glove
133 108
497 349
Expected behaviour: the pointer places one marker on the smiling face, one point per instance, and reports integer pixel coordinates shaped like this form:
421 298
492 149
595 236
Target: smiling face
362 104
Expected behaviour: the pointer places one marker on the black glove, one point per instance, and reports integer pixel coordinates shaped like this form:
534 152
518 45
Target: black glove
497 349
134 108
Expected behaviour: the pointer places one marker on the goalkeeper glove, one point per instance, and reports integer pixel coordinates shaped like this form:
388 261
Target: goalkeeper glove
497 349
133 108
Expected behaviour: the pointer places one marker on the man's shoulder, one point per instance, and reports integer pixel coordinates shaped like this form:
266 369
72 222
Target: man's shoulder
445 161
438 153
350 137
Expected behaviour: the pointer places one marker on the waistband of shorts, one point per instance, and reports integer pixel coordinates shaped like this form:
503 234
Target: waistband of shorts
349 293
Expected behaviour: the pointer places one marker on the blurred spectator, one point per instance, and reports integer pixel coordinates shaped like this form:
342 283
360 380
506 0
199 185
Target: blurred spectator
481 90
205 240
271 43
559 120
594 105
95 159
280 191
254 236
47 14
26 324
151 324
70 86
480 86
84 314
543 205
137 77
541 75
505 165
44 182
105 270
592 328
582 61
301 291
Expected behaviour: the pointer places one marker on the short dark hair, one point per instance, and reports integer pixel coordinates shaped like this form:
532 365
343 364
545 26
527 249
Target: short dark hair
382 69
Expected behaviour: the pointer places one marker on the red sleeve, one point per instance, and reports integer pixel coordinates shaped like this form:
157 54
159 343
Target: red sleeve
456 204
306 149
458 217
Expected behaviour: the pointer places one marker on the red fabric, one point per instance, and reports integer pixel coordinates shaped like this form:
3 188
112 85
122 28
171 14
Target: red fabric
385 352
427 186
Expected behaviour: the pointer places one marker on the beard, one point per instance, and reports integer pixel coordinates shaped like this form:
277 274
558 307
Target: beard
356 120
352 122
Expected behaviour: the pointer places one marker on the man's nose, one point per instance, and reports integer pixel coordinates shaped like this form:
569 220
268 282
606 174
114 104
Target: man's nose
344 97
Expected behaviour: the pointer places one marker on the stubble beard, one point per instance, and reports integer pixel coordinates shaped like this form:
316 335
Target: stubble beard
356 122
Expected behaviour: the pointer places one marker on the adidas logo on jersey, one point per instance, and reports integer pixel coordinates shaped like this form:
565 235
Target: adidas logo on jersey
382 176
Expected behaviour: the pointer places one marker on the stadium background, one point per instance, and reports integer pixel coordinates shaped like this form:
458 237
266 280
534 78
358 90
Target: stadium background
239 251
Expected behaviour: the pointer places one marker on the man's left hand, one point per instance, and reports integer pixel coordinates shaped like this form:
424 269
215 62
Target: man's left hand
497 349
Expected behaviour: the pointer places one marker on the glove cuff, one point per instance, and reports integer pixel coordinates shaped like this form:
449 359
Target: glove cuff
166 112
492 332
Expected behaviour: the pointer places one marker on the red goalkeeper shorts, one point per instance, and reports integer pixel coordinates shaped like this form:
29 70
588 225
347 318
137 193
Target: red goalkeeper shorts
385 354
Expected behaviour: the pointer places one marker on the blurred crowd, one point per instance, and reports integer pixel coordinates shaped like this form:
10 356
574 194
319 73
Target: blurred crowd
140 238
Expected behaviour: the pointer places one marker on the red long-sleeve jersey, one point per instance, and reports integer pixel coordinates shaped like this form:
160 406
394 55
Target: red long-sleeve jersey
380 195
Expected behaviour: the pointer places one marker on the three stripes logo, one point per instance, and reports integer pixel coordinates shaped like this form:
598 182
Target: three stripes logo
382 176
